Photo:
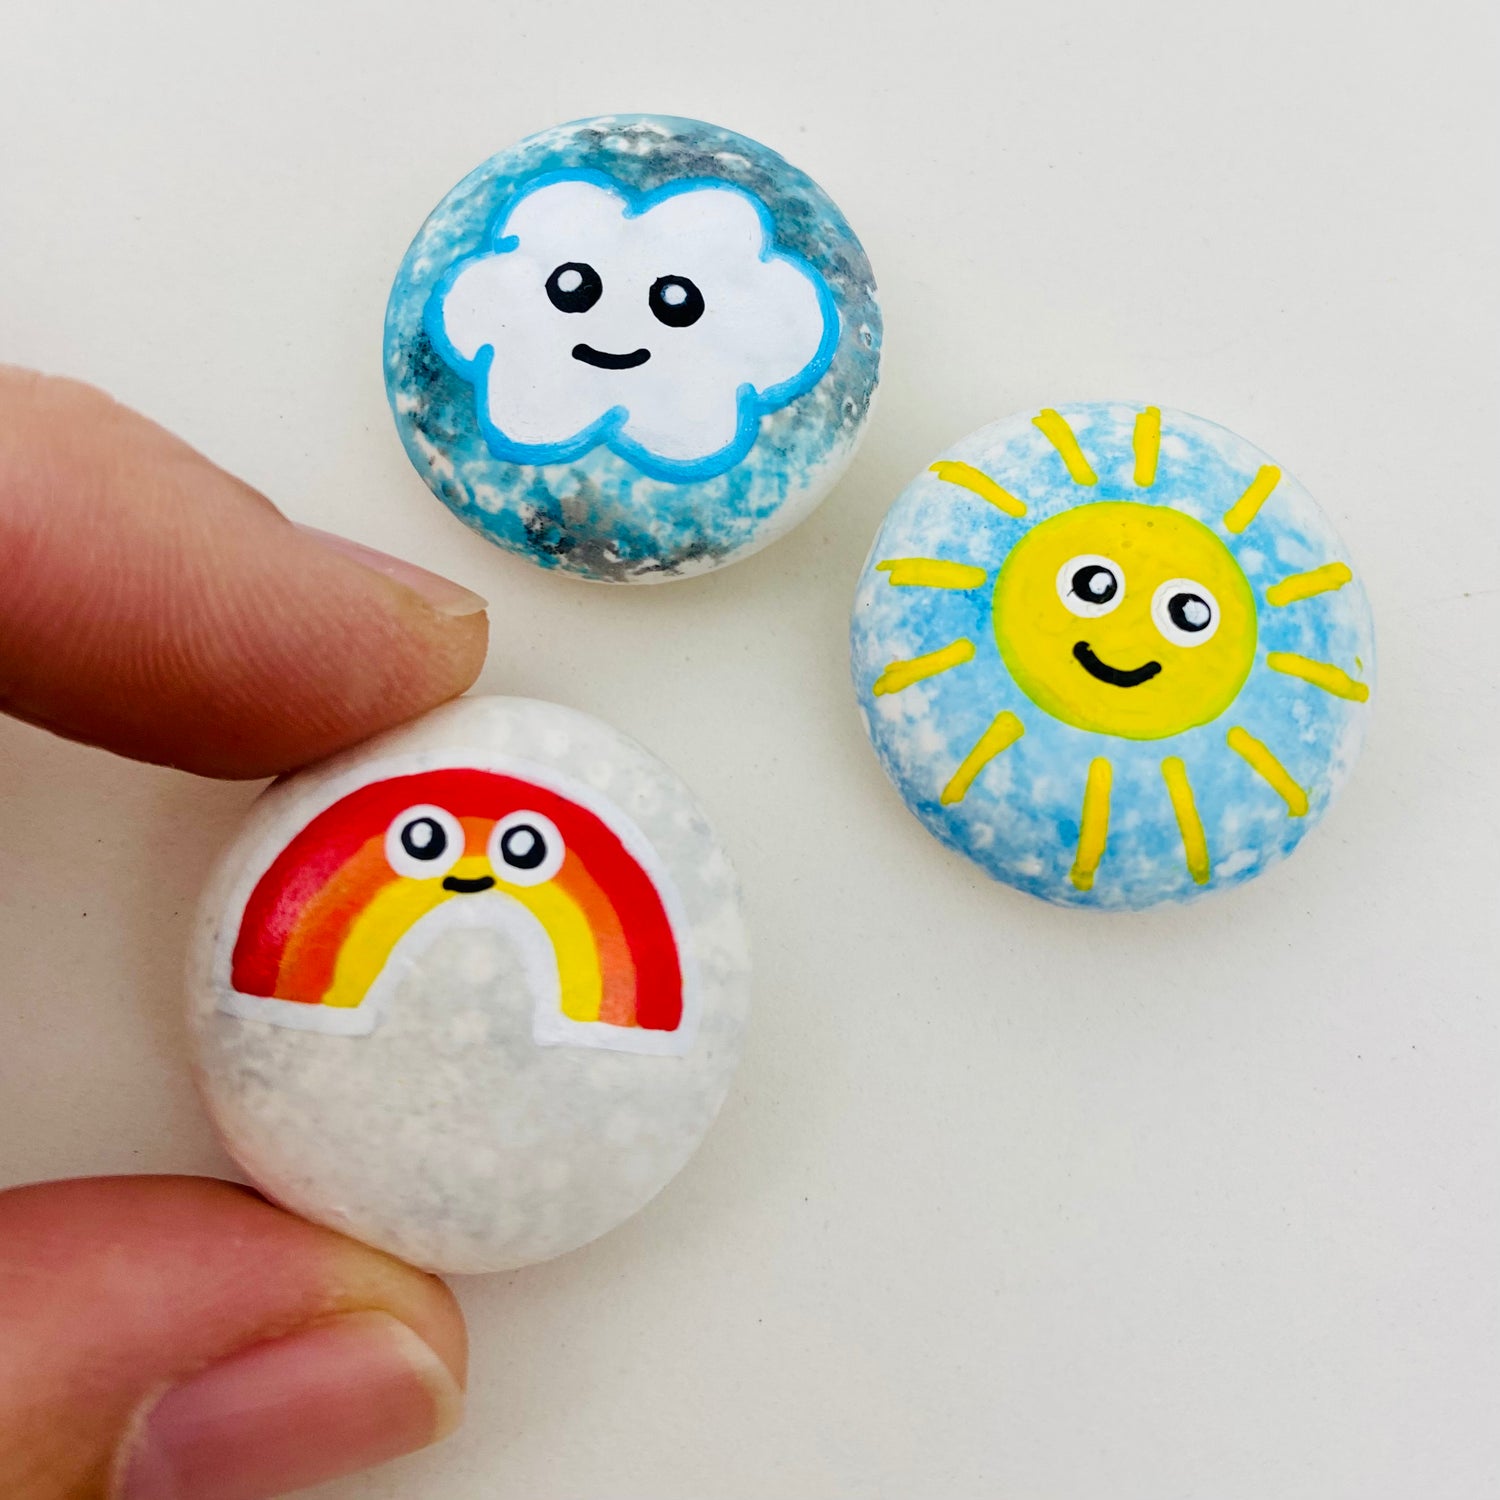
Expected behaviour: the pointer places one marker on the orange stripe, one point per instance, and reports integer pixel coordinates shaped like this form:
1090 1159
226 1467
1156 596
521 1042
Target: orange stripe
476 835
617 968
312 949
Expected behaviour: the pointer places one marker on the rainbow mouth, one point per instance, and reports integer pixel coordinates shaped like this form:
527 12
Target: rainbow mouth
468 887
1113 675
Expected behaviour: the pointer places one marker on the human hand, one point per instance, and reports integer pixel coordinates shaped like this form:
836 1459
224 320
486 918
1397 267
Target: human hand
174 1338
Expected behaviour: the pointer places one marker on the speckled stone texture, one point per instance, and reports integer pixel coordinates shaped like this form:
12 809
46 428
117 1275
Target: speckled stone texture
448 1136
1020 819
597 516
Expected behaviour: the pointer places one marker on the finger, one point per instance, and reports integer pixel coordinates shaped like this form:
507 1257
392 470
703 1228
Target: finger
157 606
175 1338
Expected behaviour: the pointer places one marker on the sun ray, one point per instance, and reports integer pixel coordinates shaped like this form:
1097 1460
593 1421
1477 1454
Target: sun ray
1189 824
1054 427
901 674
1266 766
1093 827
1147 443
1243 511
1322 674
931 573
1001 735
967 477
1297 586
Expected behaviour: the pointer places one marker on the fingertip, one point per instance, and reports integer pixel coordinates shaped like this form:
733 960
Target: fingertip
161 608
256 1335
290 1412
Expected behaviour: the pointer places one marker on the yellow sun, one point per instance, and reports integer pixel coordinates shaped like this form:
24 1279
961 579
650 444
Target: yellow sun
1124 619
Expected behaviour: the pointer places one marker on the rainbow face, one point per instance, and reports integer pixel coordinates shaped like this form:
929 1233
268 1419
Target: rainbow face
1112 654
1126 619
387 865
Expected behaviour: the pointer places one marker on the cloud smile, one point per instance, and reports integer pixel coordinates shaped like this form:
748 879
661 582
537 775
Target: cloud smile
603 361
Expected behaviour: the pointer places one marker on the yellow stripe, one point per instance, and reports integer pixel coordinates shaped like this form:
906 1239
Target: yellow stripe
1305 585
1322 674
1194 845
1242 512
1093 830
967 477
1147 442
578 970
1055 429
901 674
375 931
403 903
1001 735
931 573
1264 764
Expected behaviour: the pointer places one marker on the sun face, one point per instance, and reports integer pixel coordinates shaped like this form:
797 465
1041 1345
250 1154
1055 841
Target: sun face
1125 619
1112 656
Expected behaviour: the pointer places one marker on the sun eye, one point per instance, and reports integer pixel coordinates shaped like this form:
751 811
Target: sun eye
526 848
1185 612
675 301
574 287
424 842
1090 586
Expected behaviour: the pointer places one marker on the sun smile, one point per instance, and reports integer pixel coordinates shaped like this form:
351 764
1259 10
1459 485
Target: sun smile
601 359
1115 676
468 887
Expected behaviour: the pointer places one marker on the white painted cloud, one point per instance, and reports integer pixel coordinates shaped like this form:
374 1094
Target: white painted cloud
579 328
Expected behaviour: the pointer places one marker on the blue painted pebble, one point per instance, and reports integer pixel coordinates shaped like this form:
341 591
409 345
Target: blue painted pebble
1113 654
633 348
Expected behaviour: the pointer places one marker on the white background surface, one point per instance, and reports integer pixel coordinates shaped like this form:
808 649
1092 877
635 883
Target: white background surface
1007 1201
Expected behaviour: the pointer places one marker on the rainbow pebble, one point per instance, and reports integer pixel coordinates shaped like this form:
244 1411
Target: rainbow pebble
472 992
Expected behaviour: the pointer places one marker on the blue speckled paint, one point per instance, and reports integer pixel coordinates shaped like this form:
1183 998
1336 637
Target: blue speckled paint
595 513
1020 819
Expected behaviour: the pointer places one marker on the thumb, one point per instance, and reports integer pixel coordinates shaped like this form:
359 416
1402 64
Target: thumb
176 1338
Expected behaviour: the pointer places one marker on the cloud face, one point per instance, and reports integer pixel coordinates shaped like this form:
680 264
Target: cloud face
662 325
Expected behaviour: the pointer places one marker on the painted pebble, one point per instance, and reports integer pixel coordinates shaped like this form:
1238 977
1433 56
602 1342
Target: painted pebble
633 348
472 992
1113 654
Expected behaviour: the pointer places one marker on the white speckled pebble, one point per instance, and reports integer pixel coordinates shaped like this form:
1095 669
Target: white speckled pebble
474 991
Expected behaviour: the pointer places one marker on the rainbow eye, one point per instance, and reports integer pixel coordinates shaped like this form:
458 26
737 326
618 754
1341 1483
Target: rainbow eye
526 848
1090 586
1185 612
424 842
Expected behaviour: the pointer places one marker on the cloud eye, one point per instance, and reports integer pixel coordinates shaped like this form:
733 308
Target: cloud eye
675 301
1185 612
1090 586
574 287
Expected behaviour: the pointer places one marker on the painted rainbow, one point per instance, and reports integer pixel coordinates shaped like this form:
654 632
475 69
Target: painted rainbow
323 922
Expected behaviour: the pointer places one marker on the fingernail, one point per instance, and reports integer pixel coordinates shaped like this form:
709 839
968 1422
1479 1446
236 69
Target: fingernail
292 1412
445 596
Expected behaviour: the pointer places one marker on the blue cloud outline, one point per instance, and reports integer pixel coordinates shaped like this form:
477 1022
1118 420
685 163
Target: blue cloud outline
607 430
